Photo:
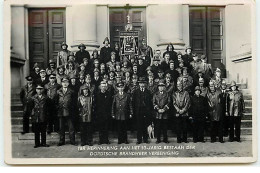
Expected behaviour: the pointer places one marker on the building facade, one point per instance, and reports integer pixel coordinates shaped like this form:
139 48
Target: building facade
222 33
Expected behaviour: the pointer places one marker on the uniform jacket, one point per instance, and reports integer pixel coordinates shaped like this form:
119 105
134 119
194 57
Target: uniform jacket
59 78
62 57
170 88
80 55
51 90
223 96
236 105
152 87
181 101
214 104
90 86
103 105
122 106
25 95
161 101
39 108
187 59
199 107
35 76
173 56
105 54
42 81
65 102
147 52
204 91
85 105
142 105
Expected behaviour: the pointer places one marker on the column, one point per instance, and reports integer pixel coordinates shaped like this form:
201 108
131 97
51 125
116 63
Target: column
170 22
82 26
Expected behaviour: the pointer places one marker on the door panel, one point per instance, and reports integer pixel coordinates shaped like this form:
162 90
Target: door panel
117 21
37 37
56 31
46 33
207 34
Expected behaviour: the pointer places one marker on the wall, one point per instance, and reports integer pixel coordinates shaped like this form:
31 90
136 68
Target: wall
238 42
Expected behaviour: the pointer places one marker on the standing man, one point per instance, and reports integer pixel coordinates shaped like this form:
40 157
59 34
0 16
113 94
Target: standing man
51 89
236 107
65 109
103 105
122 110
223 106
216 119
161 104
43 78
39 116
81 54
199 111
146 52
142 101
181 103
105 51
25 96
63 55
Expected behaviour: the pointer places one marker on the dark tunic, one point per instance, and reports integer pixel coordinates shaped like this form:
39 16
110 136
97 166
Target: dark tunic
105 54
80 55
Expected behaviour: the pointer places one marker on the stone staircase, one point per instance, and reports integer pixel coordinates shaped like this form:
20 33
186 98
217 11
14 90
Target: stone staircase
17 113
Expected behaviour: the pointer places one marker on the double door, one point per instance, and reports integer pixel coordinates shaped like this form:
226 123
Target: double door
46 33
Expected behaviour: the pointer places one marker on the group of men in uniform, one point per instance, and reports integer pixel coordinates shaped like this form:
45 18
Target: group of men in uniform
86 92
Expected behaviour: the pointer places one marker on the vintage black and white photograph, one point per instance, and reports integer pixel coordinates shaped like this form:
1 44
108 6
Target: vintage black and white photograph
136 82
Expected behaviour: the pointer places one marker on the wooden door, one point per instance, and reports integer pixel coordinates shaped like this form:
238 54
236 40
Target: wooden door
38 38
207 34
117 21
46 33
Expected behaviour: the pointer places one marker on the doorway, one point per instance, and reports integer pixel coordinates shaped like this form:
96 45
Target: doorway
47 30
118 20
207 35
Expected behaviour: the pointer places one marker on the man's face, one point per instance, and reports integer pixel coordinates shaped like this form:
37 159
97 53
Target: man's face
43 74
211 87
88 80
106 43
181 64
158 52
120 89
195 58
29 82
85 92
142 85
39 91
197 92
171 65
73 80
156 63
179 57
103 87
184 72
150 78
134 80
37 69
64 47
96 74
223 86
233 88
85 62
135 68
118 67
102 67
218 74
70 65
96 64
201 83
81 48
61 70
167 57
65 84
140 62
52 65
144 43
170 48
127 74
52 79
82 68
161 88
188 51
125 64
168 79
113 57
179 87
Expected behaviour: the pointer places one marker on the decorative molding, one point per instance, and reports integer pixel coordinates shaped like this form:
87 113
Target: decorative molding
16 58
245 54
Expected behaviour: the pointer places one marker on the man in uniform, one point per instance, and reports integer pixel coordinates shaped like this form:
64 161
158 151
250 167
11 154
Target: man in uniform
40 104
188 58
181 103
146 52
65 111
105 51
142 104
81 54
51 89
25 95
161 104
199 112
63 55
43 78
103 105
122 110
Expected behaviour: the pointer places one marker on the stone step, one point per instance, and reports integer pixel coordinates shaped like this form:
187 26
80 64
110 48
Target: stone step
247 97
248 103
248 109
17 113
17 107
244 130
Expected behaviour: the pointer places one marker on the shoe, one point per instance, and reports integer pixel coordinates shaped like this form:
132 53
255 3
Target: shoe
90 144
178 141
166 141
126 142
23 133
146 141
157 142
230 140
194 141
107 142
36 146
238 140
119 143
186 141
82 144
60 144
138 142
100 143
45 145
222 141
